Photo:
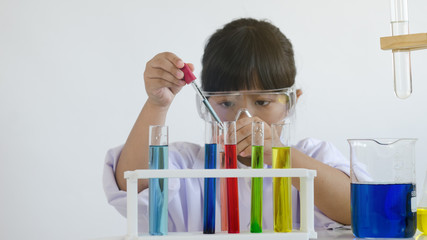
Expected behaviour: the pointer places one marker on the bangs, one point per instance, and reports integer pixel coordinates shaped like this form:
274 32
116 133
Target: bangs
248 58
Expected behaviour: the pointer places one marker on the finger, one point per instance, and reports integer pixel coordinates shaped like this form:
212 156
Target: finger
244 132
191 66
156 73
161 84
244 140
166 65
245 125
169 63
267 131
243 122
175 60
244 148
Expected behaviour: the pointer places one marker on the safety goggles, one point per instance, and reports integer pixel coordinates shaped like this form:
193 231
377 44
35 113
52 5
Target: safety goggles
272 106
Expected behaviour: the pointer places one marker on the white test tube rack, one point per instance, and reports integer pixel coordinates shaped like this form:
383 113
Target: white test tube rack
306 176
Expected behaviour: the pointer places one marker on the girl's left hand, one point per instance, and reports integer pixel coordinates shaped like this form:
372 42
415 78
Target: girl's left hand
244 140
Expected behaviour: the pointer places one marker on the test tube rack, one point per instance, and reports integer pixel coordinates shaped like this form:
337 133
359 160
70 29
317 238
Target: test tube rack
306 176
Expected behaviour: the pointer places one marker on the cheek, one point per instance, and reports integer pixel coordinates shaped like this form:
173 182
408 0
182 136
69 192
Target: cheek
268 120
222 114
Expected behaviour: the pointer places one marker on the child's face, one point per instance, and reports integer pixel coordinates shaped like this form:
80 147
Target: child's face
269 105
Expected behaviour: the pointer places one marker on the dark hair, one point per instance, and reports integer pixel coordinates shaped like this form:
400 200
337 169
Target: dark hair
247 54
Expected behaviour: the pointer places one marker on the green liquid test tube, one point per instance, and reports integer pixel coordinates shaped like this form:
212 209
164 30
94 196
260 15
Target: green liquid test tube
257 182
282 188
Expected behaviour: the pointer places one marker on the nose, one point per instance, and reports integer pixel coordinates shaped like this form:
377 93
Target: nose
242 112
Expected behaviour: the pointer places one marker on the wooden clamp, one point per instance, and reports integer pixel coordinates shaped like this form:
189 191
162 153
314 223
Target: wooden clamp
409 42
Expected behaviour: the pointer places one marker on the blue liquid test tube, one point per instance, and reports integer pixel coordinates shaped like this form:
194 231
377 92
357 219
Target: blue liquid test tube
211 131
158 187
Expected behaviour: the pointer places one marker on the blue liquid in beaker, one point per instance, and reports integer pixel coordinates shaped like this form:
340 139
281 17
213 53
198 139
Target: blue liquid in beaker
382 210
158 192
210 189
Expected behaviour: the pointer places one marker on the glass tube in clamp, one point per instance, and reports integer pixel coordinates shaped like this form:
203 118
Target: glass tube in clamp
401 58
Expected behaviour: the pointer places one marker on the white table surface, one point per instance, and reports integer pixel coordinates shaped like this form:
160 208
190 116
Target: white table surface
345 234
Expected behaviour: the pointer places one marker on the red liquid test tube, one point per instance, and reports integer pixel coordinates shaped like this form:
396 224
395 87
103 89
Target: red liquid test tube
230 152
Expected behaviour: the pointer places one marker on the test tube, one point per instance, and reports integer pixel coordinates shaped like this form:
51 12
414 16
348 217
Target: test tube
422 209
211 131
158 187
223 189
282 191
230 150
257 163
401 58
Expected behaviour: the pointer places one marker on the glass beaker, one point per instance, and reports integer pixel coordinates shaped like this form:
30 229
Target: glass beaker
383 196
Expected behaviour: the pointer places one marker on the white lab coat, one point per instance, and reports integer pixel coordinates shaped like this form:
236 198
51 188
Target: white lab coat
186 195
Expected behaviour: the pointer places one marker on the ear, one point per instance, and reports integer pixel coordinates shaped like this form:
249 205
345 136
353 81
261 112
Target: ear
299 93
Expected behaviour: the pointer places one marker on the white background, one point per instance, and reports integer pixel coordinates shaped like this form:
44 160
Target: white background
71 87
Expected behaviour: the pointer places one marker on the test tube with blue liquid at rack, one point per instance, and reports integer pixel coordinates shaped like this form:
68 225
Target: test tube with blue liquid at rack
158 187
211 138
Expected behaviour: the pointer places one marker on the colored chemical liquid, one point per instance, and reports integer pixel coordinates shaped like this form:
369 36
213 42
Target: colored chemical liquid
158 192
282 191
256 194
210 189
422 220
223 195
382 210
232 190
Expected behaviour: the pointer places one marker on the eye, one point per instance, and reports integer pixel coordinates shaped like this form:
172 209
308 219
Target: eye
262 102
226 104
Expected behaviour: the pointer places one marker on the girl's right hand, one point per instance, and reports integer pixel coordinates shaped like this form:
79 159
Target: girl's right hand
163 78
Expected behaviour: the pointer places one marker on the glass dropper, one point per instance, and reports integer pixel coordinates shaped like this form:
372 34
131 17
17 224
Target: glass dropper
189 78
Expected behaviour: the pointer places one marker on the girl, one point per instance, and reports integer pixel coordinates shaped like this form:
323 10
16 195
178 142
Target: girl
245 55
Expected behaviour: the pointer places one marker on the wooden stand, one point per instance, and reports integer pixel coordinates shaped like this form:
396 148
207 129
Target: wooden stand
408 42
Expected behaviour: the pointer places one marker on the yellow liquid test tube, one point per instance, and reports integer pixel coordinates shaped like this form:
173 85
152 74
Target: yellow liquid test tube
422 220
422 209
282 191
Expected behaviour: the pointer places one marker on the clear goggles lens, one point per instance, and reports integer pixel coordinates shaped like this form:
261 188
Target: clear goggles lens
272 106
